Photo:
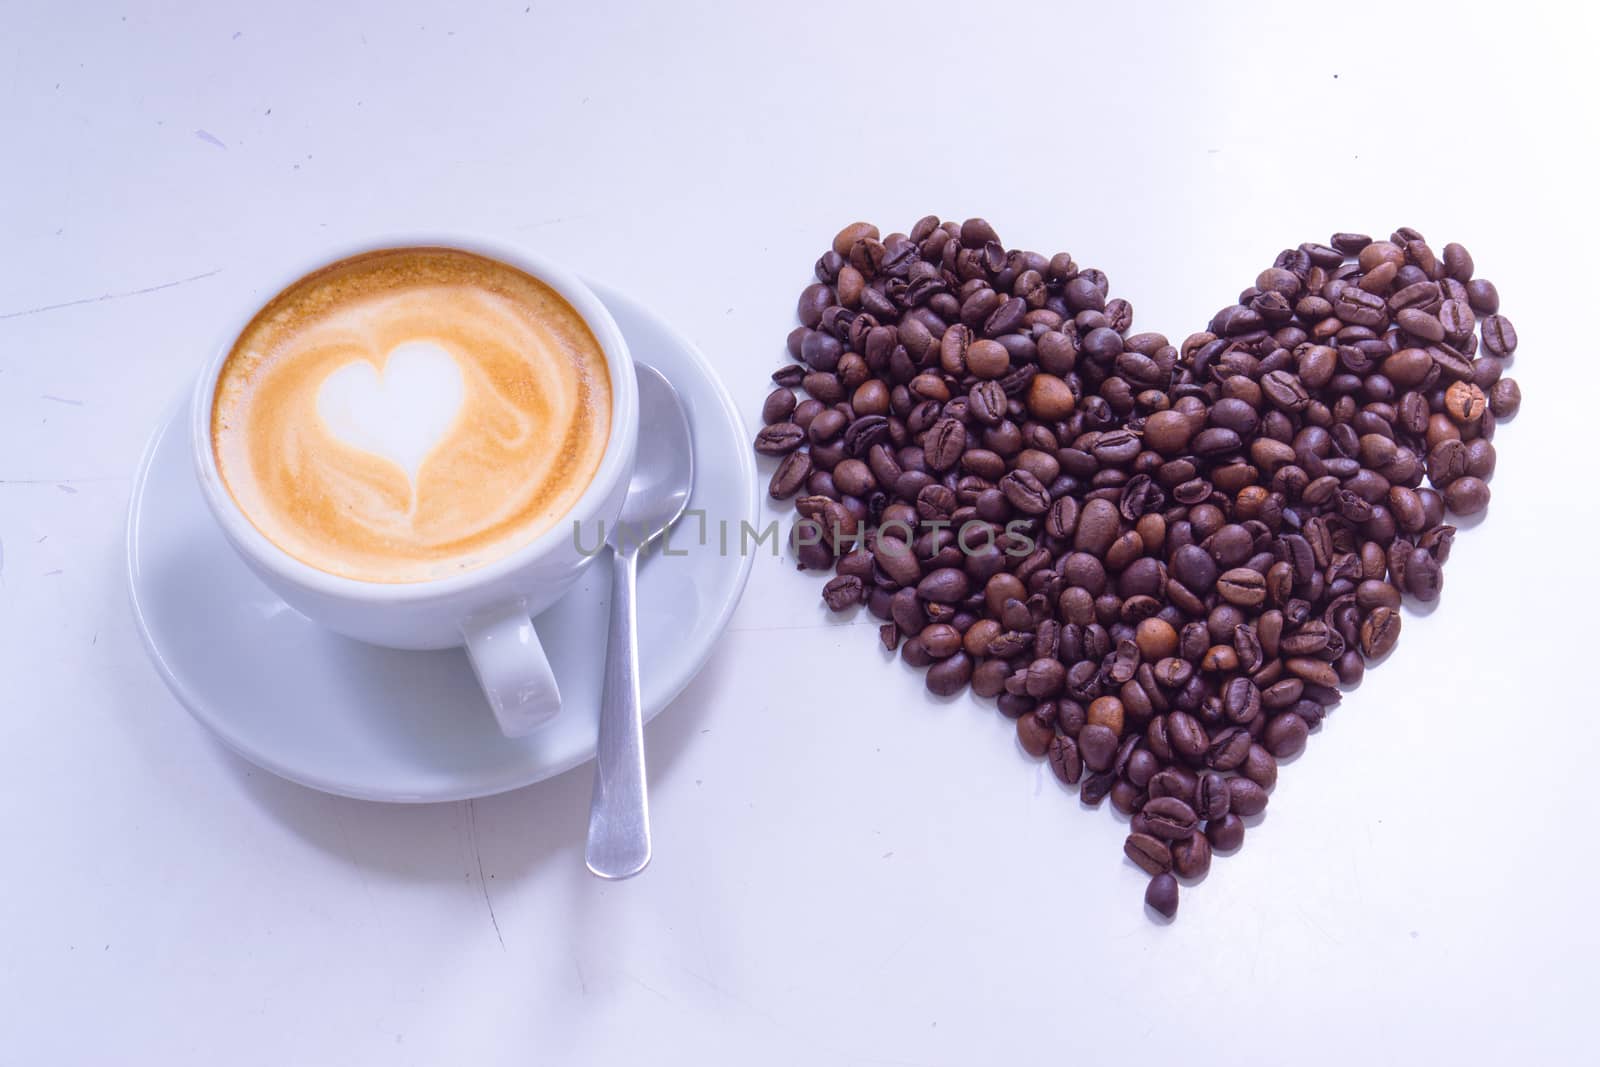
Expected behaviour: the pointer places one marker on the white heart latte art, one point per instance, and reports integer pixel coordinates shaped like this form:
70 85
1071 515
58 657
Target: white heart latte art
400 415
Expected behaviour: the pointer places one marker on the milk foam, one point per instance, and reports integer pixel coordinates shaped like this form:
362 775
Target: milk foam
409 414
400 414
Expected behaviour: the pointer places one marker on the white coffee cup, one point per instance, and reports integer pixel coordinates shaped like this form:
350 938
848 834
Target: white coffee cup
488 610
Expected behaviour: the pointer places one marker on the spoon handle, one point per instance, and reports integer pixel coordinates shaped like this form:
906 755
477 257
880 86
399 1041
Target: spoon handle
619 815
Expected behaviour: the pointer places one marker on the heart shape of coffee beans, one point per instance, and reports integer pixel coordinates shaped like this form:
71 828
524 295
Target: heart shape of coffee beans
1165 562
400 413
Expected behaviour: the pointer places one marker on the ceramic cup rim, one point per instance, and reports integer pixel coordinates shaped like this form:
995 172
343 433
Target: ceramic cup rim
615 462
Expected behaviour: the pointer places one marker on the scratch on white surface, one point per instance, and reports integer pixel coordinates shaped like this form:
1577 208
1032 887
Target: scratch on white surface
803 1036
49 574
109 296
583 983
66 488
63 482
695 974
1318 927
636 980
337 807
483 883
895 952
548 222
210 138
61 399
873 623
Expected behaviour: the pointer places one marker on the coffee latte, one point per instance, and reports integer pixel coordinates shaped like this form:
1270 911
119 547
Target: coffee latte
409 414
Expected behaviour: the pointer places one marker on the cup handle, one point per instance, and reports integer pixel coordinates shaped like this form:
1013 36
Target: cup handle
512 668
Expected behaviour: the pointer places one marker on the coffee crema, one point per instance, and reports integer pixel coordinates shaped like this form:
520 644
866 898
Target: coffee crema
409 414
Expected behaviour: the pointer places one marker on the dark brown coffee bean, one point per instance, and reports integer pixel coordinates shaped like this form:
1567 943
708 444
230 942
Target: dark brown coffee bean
1499 336
1457 262
1170 818
1467 495
1228 749
842 592
1424 577
1286 735
945 442
1211 797
1149 853
1505 398
1097 744
1064 759
779 438
1161 895
1034 734
1242 587
1225 834
779 406
947 585
1191 857
1095 788
790 476
949 676
1245 797
1187 736
1025 493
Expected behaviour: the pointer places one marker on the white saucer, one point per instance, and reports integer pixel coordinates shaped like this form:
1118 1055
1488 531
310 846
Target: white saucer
377 724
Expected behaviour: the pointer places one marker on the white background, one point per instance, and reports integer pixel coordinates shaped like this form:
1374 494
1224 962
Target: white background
847 871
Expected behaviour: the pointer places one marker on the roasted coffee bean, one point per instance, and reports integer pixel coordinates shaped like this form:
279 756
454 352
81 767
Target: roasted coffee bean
949 676
1424 577
1064 759
1211 796
1161 895
1025 493
1148 852
947 585
1499 337
1286 735
1312 671
1225 834
1173 782
1095 787
1465 403
1188 736
1242 587
1126 798
1170 818
1228 749
843 592
1245 797
1467 495
1505 398
1034 734
779 438
790 475
779 406
1097 744
944 443
1191 857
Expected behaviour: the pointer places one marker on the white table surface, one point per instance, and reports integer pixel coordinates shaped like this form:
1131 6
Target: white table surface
846 871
